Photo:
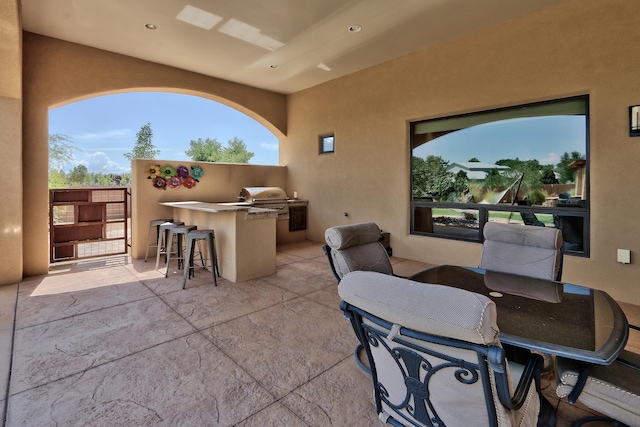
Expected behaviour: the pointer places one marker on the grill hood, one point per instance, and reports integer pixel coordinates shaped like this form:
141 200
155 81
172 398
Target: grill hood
262 195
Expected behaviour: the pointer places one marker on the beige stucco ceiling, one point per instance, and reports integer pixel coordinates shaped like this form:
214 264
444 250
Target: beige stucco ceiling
271 44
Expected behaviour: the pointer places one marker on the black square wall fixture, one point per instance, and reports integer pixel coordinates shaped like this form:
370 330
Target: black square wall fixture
634 120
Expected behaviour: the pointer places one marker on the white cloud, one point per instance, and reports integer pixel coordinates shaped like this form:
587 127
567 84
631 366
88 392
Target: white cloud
270 146
100 162
552 159
109 134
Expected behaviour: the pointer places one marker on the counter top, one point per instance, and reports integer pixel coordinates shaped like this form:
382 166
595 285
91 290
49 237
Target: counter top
218 207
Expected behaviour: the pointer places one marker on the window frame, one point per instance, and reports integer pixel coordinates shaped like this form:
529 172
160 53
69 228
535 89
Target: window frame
483 210
322 140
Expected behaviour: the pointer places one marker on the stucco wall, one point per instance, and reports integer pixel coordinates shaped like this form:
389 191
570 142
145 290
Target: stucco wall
580 47
57 72
10 142
220 182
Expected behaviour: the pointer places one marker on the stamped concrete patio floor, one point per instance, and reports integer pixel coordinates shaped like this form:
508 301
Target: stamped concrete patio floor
113 342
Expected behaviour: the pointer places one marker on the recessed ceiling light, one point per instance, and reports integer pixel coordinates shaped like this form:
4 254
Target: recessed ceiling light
274 66
355 28
323 66
151 27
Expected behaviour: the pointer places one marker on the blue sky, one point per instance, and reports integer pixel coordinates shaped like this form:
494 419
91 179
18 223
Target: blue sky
104 128
541 138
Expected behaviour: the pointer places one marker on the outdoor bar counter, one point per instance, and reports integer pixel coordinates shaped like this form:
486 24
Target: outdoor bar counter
245 236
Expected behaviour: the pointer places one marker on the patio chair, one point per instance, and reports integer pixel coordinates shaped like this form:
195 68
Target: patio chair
436 358
523 250
612 390
356 247
529 218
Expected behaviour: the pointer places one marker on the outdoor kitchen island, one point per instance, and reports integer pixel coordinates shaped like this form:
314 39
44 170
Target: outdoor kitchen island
245 236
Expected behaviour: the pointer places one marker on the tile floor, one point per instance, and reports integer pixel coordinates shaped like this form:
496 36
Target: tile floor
113 342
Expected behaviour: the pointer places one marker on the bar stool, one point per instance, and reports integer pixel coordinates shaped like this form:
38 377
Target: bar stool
154 229
196 236
163 234
178 231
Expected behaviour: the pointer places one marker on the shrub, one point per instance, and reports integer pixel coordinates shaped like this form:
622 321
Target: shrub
477 191
537 197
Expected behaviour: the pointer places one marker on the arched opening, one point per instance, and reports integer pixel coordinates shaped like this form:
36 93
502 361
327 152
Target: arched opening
99 131
93 141
57 73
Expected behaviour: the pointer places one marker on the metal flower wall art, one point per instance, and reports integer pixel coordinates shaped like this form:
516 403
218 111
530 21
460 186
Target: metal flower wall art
168 176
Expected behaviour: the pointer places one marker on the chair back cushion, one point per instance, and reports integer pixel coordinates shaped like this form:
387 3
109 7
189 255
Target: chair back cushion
432 309
357 248
523 250
346 236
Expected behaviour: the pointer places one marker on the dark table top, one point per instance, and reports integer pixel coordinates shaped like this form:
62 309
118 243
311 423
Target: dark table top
567 320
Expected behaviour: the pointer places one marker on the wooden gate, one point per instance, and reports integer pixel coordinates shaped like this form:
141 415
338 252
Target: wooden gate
87 222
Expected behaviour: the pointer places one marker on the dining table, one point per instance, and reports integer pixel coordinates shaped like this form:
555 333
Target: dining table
568 320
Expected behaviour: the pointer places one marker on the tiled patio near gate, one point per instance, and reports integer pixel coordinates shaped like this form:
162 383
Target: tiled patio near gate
114 342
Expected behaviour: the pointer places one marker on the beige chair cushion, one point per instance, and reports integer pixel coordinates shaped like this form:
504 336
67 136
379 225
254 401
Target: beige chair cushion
346 236
432 309
612 390
520 249
357 247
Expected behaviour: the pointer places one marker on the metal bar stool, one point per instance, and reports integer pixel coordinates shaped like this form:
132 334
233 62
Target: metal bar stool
179 232
154 230
163 237
196 236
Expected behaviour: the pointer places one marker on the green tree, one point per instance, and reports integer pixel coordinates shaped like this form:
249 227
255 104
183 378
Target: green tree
102 180
494 180
124 179
60 151
474 160
431 178
236 151
58 179
461 181
143 148
548 175
211 150
79 176
531 169
205 150
568 175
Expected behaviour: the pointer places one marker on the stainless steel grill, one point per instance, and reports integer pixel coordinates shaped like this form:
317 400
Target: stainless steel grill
268 198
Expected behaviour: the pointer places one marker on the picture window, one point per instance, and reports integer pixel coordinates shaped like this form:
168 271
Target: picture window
527 164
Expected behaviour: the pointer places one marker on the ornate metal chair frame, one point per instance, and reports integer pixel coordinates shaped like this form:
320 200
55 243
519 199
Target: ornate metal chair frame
417 371
633 368
327 250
